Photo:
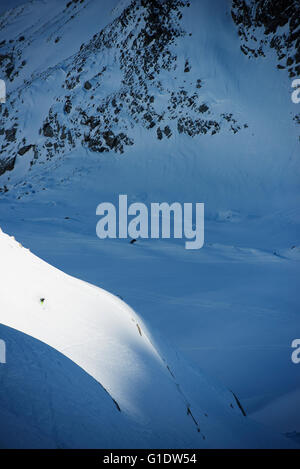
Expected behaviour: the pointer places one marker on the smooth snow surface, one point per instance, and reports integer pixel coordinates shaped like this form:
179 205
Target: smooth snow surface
82 371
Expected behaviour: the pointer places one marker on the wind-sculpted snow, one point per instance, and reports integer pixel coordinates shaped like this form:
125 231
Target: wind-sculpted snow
82 371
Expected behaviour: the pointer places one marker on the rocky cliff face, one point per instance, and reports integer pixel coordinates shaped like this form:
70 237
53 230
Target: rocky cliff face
279 25
141 45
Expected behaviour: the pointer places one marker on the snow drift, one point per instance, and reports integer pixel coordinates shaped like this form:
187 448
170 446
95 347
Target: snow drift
82 371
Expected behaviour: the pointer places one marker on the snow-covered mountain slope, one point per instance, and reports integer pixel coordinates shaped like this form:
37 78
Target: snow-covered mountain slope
153 79
85 372
278 23
159 101
230 308
9 4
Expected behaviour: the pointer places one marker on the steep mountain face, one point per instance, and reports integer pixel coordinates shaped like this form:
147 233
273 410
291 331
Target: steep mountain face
279 22
82 371
93 111
150 67
270 24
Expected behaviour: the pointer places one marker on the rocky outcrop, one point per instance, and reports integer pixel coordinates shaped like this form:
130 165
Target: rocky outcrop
279 21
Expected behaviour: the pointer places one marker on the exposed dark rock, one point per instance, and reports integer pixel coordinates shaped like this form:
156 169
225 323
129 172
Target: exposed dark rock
187 66
68 105
87 85
47 130
271 15
24 150
167 131
7 164
10 134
